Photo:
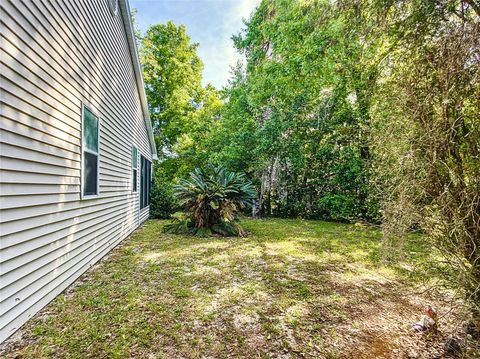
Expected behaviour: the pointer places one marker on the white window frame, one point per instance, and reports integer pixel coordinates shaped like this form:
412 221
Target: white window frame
85 149
134 169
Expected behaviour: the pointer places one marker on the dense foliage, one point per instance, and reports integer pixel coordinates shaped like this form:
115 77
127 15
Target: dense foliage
427 132
182 111
344 110
211 200
306 88
162 200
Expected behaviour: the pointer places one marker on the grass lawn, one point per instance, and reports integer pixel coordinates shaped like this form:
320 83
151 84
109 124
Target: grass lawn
293 288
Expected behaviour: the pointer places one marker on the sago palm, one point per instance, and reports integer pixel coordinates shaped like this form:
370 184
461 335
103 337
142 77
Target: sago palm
211 201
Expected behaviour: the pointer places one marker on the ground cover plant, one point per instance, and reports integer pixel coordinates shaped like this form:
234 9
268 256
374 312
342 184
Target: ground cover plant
291 289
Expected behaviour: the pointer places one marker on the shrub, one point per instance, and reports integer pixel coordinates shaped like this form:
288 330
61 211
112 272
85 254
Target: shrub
211 200
162 200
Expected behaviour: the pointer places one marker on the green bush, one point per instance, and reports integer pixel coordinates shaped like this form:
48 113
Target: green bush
162 200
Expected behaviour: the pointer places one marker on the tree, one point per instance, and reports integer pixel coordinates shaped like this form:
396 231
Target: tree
172 75
427 138
305 95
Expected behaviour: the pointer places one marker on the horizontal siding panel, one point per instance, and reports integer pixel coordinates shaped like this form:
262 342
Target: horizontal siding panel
117 181
19 140
14 126
7 176
31 120
115 66
34 69
22 313
109 159
22 165
98 252
144 140
36 200
15 257
49 116
58 56
25 154
18 214
15 189
144 213
96 100
65 60
39 236
37 97
115 145
22 32
20 225
35 269
113 177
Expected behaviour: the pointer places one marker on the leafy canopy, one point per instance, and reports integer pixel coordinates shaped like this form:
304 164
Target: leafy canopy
172 75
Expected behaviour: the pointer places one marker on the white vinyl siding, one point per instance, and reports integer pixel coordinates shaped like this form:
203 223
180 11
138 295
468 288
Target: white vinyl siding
56 56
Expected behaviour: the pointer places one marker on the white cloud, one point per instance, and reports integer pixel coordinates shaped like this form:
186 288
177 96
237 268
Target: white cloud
209 22
220 58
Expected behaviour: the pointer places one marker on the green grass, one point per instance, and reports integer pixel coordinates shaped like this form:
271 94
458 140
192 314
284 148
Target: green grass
292 287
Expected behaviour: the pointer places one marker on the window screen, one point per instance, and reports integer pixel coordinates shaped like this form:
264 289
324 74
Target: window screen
90 175
90 153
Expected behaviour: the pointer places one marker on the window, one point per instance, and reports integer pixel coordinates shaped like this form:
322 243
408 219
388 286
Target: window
90 134
134 169
145 182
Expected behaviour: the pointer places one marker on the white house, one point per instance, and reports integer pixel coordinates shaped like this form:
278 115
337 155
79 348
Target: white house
76 145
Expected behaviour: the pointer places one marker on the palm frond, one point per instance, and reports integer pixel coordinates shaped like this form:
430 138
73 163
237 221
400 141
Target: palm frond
211 199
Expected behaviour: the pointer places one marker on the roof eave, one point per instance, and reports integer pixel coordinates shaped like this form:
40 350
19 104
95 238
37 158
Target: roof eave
127 21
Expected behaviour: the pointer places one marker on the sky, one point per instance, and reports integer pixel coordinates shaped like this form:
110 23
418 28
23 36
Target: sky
211 23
